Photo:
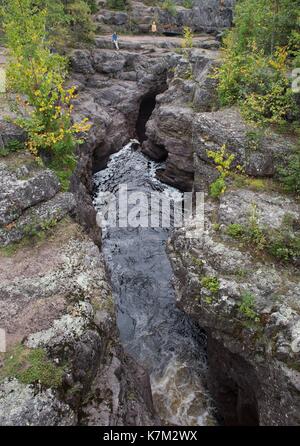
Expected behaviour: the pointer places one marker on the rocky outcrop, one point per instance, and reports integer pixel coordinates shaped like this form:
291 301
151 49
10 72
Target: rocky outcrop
248 304
210 16
187 122
55 299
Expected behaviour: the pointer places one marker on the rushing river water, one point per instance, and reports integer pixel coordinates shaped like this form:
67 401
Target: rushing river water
152 329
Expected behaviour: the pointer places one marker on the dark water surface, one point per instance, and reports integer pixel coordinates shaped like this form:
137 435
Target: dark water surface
152 329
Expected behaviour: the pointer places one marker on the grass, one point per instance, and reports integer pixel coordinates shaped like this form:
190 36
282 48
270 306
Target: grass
31 366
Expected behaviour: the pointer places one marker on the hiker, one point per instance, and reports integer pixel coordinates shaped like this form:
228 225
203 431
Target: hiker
115 40
154 27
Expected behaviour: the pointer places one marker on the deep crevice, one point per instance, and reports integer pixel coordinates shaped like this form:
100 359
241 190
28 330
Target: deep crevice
147 106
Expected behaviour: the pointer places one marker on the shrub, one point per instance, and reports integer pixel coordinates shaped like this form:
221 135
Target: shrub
118 5
235 230
38 76
256 61
211 283
247 307
170 7
290 175
223 161
188 4
187 41
11 146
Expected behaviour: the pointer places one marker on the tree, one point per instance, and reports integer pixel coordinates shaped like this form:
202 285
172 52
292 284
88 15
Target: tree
37 75
257 57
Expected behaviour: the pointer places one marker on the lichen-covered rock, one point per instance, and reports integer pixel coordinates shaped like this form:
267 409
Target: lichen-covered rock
248 305
203 16
22 189
271 208
258 154
37 219
22 405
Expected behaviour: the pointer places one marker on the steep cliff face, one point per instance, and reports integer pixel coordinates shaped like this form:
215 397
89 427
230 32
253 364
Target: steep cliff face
64 363
187 122
249 306
55 299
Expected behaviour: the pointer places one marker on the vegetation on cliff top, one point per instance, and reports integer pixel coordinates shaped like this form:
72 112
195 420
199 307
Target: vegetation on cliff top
31 366
37 75
259 52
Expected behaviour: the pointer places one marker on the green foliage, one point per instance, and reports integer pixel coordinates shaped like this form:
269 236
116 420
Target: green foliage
118 5
290 174
282 244
247 307
187 41
188 4
217 187
211 283
223 161
256 61
67 21
31 366
11 146
38 75
235 230
170 7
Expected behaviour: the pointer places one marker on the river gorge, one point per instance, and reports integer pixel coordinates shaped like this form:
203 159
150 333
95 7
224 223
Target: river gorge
145 325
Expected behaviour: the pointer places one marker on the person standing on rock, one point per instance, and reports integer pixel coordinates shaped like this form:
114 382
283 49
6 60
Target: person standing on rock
154 27
115 40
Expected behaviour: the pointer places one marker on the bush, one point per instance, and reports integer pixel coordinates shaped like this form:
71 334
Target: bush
211 283
170 7
256 61
38 76
118 5
247 307
290 175
223 161
188 4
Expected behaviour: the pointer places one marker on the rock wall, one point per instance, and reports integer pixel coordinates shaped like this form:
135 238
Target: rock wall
187 122
210 16
55 299
254 371
248 304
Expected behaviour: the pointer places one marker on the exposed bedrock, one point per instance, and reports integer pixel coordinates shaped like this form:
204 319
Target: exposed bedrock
210 16
248 305
187 122
55 297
